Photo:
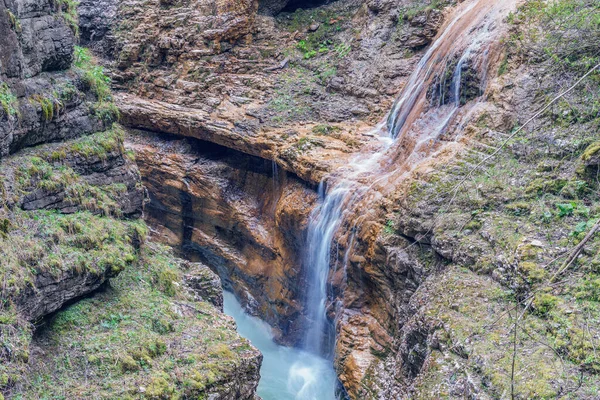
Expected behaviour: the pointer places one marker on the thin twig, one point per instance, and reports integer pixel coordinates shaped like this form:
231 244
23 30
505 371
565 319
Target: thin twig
576 252
514 355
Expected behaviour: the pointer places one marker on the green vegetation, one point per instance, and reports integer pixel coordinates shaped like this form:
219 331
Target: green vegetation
69 13
54 244
325 129
8 101
323 39
99 145
410 12
50 170
564 32
99 83
93 74
50 106
145 337
15 23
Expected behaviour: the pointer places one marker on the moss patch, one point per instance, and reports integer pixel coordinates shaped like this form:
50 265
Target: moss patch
141 338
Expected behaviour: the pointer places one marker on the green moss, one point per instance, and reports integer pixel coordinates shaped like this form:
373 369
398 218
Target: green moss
575 189
8 101
128 364
533 272
543 303
159 388
540 186
588 288
140 337
474 225
591 151
221 351
46 241
528 251
519 208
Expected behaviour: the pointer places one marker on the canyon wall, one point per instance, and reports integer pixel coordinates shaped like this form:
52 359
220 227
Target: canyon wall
237 214
435 276
76 269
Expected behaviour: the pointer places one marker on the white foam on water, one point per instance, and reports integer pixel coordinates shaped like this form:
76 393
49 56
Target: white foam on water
286 373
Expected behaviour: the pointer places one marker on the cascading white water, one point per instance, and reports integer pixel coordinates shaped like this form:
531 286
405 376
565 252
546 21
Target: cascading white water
324 223
365 171
286 373
307 373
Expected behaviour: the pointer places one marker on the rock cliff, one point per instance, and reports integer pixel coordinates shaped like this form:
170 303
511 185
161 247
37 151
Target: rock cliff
70 202
450 282
236 213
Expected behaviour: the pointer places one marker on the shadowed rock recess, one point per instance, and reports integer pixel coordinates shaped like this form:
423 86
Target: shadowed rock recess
352 170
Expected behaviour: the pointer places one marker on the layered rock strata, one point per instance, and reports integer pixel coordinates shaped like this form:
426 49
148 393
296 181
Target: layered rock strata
237 213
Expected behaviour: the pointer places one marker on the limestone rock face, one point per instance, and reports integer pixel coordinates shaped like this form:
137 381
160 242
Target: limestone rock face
205 284
111 167
234 213
271 7
246 85
44 100
35 56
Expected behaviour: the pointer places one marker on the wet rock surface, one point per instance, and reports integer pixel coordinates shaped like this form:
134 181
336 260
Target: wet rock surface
237 214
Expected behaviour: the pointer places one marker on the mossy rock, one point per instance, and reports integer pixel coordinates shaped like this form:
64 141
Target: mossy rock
574 189
128 364
592 151
519 208
540 186
160 388
532 271
528 251
544 303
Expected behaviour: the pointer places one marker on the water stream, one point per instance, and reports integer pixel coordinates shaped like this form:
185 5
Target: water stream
413 131
286 373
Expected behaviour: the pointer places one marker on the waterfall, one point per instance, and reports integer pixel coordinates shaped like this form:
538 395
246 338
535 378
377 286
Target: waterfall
323 225
467 39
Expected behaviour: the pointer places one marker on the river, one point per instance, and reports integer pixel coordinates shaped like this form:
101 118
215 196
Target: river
286 373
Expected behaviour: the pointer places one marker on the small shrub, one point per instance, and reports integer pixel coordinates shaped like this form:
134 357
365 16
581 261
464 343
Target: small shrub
8 101
15 23
543 303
